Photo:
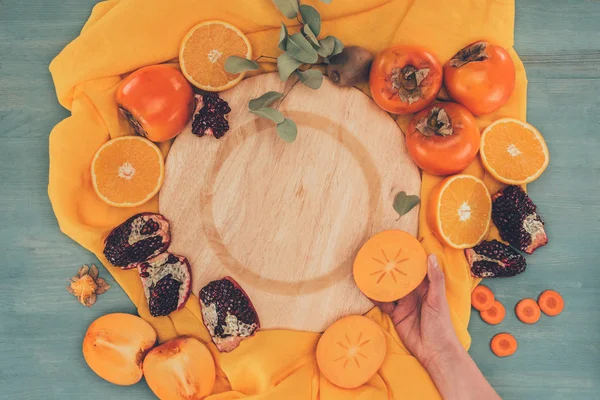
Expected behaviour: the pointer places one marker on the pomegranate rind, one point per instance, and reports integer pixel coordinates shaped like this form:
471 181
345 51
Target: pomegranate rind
115 345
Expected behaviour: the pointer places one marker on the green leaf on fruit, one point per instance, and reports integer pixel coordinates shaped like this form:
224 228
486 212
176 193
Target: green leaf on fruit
287 130
283 37
339 46
235 65
269 113
289 8
403 203
313 78
264 101
311 37
300 48
311 17
286 65
327 46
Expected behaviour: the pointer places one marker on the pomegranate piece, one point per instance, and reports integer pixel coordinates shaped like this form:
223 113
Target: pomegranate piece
141 237
228 313
210 116
517 220
167 282
494 259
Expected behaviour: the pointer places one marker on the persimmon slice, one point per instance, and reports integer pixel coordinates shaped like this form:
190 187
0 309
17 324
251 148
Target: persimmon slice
351 351
390 265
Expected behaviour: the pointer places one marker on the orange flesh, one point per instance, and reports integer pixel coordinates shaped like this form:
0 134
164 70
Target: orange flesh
351 351
128 171
503 344
460 211
528 311
390 265
551 303
482 298
513 152
205 50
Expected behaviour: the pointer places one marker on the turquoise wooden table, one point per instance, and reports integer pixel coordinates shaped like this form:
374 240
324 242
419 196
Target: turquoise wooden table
41 325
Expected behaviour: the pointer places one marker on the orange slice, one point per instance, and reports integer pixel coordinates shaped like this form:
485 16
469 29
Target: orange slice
390 265
351 351
204 51
514 152
127 171
459 211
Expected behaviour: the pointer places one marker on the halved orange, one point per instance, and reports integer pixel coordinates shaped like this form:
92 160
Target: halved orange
459 211
204 51
127 171
513 151
390 265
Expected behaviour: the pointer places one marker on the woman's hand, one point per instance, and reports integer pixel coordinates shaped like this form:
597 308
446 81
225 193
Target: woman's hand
422 320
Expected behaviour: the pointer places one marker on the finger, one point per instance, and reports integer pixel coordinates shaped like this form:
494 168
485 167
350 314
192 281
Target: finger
437 285
387 307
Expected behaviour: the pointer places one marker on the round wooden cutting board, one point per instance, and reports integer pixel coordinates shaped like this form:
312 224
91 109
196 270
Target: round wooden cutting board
286 220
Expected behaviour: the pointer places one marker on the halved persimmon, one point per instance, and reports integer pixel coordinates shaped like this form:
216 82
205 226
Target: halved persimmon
390 265
351 351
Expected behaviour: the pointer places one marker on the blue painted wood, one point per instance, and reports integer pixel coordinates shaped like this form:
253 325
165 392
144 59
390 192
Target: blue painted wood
41 326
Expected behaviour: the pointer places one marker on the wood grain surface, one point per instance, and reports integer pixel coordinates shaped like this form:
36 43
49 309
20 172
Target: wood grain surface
41 325
286 220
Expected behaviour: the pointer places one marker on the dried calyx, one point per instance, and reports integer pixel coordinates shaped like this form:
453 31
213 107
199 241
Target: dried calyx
86 285
494 259
517 220
228 313
140 237
167 282
407 82
437 122
210 117
475 52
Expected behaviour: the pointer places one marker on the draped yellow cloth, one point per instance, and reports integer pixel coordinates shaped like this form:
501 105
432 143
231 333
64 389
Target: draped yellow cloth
123 35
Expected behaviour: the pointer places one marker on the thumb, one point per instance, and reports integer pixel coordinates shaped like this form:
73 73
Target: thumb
437 284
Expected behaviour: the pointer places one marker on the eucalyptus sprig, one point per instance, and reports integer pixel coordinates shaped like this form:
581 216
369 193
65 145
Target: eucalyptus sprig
301 51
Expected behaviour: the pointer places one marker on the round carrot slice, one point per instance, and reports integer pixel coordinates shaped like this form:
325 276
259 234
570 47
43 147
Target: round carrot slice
528 311
351 351
503 345
390 265
495 314
551 303
482 298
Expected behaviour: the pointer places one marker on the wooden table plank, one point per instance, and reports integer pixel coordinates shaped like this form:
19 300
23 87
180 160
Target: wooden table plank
41 326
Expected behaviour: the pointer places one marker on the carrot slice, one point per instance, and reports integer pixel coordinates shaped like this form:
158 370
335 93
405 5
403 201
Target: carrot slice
482 298
503 345
494 315
551 302
528 311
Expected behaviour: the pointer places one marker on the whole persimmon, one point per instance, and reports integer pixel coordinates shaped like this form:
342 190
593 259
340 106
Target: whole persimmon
157 100
405 79
443 139
481 77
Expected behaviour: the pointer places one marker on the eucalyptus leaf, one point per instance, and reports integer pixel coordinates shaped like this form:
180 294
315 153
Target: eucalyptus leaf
339 46
311 37
286 65
269 113
287 130
327 46
289 8
327 1
235 65
313 78
264 100
312 18
283 37
404 203
300 48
